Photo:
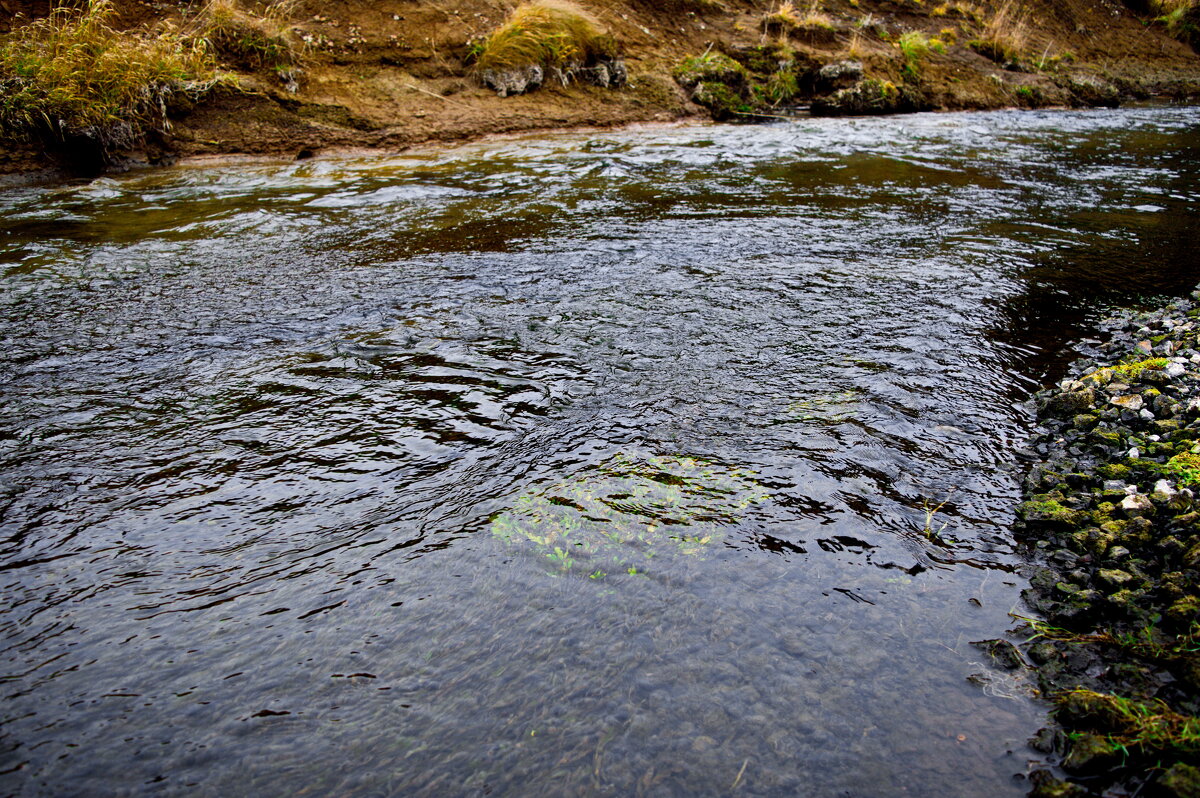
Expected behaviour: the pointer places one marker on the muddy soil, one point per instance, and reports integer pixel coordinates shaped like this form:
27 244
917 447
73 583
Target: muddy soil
396 73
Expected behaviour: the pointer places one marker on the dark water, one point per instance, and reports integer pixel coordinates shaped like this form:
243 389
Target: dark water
588 464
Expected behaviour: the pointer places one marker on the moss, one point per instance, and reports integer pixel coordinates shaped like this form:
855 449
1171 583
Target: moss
1184 467
1129 371
1050 511
1147 727
710 68
722 101
1181 780
1114 471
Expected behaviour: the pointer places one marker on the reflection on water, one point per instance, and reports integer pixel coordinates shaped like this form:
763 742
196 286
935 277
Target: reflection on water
586 464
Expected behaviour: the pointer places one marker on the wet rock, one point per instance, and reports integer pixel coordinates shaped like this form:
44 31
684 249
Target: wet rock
1128 402
509 82
1107 512
1070 403
871 96
1089 753
837 76
1137 505
1181 780
1114 578
1046 785
1002 653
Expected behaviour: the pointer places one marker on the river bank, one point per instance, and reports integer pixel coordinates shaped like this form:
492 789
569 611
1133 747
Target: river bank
393 75
1111 514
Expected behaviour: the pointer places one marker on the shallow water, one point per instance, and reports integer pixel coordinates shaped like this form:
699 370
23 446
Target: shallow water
582 464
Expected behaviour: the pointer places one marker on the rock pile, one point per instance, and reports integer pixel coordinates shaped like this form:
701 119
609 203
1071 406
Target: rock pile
1112 511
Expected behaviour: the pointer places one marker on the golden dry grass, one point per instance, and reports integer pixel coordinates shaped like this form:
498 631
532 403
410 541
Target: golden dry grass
1005 34
72 75
248 39
550 33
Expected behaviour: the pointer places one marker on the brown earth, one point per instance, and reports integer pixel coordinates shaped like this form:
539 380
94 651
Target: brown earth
393 73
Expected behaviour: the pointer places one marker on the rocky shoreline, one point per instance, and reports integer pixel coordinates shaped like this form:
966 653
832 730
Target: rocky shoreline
1112 518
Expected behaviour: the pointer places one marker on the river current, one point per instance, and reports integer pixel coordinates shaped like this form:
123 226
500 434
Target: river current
666 462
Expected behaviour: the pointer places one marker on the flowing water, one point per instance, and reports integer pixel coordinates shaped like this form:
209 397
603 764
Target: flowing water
667 462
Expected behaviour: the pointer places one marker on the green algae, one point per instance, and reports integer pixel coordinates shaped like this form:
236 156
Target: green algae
619 515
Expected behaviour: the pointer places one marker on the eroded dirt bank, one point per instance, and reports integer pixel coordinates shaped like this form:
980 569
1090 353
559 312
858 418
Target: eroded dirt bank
395 73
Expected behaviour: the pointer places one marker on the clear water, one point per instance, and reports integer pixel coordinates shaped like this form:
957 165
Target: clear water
582 464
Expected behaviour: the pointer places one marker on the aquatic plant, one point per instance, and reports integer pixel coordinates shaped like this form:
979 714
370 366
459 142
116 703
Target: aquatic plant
833 407
1147 727
545 33
931 531
628 510
72 77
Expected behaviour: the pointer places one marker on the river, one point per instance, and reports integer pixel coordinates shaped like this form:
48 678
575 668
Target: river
670 462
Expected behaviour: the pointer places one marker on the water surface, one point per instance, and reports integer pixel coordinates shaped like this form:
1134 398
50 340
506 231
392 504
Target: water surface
663 462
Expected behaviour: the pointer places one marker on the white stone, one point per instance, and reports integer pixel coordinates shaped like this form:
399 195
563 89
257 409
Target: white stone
1131 401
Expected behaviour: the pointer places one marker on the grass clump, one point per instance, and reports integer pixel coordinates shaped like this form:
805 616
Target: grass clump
787 17
915 46
1005 35
1181 18
783 18
545 33
1144 727
71 78
249 40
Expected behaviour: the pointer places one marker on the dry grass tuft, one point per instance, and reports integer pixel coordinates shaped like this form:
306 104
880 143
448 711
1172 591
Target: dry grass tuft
71 76
1005 34
787 17
1181 17
547 33
249 40
784 17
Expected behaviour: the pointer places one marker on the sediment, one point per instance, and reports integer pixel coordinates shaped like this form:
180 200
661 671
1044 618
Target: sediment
1112 518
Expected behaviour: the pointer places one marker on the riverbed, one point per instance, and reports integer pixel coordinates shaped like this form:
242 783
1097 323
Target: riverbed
673 461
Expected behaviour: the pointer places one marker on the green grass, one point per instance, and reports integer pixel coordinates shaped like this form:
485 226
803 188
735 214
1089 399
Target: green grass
1181 19
545 33
1147 727
915 46
1129 371
71 75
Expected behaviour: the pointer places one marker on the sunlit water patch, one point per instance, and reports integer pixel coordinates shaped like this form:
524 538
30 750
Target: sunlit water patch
662 462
